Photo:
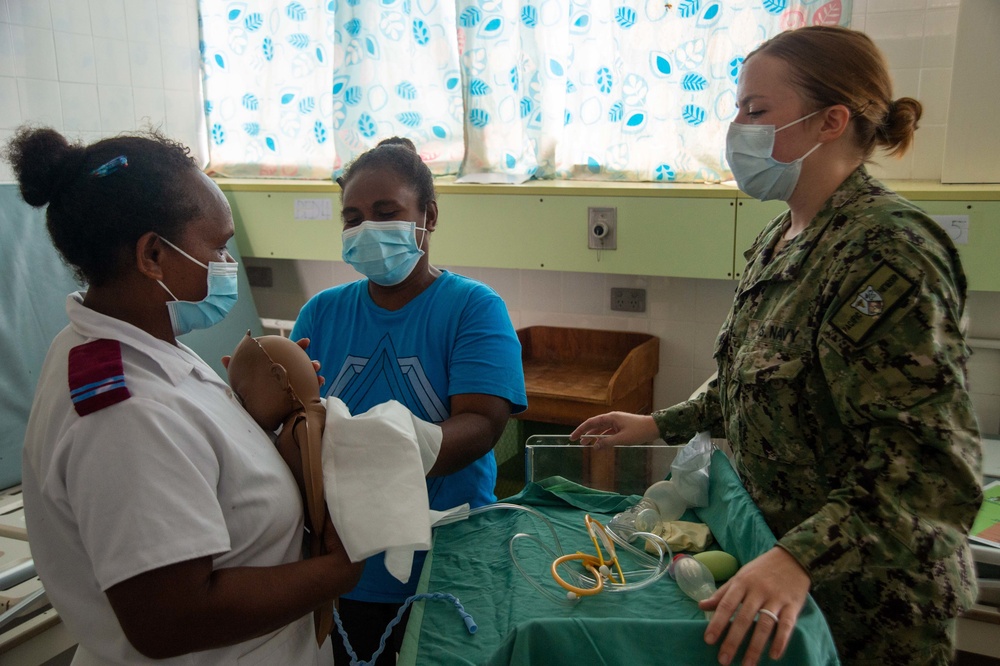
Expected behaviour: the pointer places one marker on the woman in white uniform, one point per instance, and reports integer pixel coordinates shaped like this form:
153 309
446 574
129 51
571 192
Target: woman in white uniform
163 523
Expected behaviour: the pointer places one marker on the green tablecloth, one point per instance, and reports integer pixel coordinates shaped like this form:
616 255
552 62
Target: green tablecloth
518 625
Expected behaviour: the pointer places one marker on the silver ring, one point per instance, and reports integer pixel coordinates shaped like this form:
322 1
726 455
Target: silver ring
773 616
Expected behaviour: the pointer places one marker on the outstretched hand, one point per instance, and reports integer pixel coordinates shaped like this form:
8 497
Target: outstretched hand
765 596
616 429
304 342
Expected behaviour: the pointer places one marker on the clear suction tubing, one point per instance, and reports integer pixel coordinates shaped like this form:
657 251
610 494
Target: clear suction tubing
644 569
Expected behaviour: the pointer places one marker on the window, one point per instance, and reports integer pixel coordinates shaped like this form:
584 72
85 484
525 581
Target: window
584 89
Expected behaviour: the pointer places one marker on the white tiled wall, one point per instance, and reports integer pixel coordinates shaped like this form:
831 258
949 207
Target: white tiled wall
94 68
918 39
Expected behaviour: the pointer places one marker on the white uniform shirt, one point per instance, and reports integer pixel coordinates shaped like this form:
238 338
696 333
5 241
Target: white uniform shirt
177 470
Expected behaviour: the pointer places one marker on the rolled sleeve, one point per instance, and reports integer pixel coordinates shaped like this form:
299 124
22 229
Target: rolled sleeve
680 423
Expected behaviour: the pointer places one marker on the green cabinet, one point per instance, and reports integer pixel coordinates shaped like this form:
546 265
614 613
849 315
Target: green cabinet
688 231
266 226
980 253
687 235
670 236
751 218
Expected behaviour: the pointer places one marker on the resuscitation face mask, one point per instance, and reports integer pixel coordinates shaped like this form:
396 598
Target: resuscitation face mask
748 151
384 252
186 316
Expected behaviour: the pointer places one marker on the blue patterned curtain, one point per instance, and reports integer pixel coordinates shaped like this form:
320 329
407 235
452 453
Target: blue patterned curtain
267 69
584 89
397 75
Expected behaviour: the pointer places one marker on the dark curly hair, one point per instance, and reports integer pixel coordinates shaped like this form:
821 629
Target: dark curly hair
400 155
95 220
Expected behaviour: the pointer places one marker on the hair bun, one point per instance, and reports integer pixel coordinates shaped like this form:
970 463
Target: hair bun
400 141
900 123
42 160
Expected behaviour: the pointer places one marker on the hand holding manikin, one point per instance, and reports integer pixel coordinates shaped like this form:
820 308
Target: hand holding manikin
276 383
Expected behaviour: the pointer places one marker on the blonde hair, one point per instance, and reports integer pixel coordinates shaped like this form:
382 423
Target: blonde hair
833 65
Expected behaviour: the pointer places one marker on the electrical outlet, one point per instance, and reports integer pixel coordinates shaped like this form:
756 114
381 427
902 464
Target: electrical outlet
602 228
260 276
628 300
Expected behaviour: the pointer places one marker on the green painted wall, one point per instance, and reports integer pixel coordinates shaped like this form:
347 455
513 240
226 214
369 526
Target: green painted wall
685 231
678 236
980 256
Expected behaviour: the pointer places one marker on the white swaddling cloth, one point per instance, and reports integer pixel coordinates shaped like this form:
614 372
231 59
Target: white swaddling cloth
374 469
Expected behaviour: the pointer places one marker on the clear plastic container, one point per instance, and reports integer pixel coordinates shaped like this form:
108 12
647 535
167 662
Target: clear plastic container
640 517
660 503
668 501
693 577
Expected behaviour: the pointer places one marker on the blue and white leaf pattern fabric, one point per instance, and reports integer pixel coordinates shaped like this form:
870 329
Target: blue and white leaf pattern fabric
298 88
615 89
270 99
578 89
400 78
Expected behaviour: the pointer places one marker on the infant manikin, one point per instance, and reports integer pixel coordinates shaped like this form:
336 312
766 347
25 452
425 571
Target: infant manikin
335 455
275 380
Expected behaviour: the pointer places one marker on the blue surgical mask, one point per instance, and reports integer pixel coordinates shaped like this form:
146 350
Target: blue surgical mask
748 151
384 252
187 316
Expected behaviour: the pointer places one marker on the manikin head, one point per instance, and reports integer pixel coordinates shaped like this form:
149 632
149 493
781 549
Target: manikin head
273 377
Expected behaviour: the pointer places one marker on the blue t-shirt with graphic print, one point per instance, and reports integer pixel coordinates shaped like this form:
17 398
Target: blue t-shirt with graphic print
454 338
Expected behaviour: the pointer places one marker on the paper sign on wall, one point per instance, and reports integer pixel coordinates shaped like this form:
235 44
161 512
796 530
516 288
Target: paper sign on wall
957 227
313 209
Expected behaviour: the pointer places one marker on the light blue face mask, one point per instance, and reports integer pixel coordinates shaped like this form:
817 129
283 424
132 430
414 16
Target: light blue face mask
748 151
187 316
384 252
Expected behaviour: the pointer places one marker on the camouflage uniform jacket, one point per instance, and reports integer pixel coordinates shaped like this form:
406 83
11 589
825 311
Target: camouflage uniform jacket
842 390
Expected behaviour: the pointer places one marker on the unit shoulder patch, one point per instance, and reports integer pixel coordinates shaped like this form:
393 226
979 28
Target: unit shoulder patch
882 291
96 376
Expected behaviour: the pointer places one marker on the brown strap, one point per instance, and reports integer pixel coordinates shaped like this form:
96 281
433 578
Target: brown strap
312 473
323 618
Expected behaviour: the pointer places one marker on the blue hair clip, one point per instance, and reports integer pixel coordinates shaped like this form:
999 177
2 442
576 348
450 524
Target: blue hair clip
110 167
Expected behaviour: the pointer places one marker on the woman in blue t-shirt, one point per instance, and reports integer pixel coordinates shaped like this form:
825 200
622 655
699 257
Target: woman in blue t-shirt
439 343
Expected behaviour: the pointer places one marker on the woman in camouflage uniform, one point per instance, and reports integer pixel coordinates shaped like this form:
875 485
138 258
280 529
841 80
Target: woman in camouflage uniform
842 384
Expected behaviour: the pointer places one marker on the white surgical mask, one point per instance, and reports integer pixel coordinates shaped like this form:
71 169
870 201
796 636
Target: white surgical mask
748 151
384 252
186 316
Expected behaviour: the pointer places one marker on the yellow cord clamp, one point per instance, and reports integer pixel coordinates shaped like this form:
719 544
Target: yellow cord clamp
598 566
